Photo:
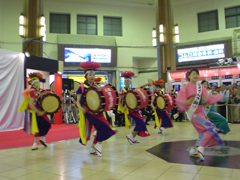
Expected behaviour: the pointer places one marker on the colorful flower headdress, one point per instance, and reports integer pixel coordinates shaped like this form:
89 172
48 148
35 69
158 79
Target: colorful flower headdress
35 77
158 82
89 66
127 75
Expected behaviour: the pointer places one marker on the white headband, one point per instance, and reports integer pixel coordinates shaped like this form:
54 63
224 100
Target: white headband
34 81
88 71
127 79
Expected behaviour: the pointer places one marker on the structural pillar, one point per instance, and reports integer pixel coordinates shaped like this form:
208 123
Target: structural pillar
32 10
58 91
166 53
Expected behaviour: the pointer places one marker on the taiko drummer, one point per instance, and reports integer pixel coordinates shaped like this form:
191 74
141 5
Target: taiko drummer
140 128
36 121
88 119
162 117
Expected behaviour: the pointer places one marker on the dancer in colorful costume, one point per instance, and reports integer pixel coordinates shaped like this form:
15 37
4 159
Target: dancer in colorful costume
210 112
190 98
160 115
140 128
88 120
36 122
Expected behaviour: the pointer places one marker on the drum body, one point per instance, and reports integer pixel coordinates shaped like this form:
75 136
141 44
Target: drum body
98 100
164 101
49 102
136 99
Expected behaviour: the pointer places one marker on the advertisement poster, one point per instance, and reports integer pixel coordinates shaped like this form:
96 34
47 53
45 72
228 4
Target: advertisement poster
77 55
201 53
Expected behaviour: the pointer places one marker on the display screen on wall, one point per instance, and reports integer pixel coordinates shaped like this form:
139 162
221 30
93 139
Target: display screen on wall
77 55
201 53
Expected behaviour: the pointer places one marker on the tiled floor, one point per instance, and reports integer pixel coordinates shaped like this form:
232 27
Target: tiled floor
68 160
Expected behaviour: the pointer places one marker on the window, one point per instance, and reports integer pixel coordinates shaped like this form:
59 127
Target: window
87 25
208 21
60 23
232 17
112 26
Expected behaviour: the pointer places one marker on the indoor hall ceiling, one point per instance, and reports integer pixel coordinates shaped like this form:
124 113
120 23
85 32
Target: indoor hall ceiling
143 3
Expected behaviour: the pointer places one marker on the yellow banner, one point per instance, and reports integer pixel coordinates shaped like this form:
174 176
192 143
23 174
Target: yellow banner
81 79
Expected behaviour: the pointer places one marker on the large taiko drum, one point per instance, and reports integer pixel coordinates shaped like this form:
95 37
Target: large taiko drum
165 101
136 99
98 100
49 102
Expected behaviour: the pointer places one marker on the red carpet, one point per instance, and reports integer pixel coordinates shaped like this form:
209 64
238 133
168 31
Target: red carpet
15 139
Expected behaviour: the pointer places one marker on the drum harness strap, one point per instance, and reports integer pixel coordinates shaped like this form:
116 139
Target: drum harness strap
23 107
156 115
127 121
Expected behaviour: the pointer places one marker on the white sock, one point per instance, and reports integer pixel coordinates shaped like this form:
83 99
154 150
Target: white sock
130 136
34 145
201 149
43 139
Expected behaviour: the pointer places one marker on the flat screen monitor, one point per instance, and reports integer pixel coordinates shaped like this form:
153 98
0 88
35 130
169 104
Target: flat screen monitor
227 83
215 51
177 87
213 84
78 55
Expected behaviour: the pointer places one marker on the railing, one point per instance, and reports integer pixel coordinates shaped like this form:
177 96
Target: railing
227 110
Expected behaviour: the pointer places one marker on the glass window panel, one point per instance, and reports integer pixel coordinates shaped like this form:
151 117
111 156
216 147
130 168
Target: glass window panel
54 17
116 27
82 26
91 32
212 27
91 20
231 19
82 31
91 26
231 25
203 28
108 33
238 10
202 16
55 24
212 21
81 19
116 21
203 23
107 27
65 18
230 12
117 33
54 30
63 25
238 18
107 21
212 15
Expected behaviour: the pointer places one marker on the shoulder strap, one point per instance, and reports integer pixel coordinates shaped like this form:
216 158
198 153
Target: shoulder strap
82 87
124 90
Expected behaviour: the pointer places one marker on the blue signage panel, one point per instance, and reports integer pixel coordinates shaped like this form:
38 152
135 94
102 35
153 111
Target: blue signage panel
201 53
